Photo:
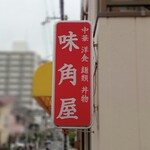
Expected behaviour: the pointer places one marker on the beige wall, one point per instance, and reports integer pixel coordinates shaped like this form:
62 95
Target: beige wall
123 119
4 124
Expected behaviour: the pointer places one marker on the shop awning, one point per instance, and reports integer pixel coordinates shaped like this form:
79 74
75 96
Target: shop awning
42 86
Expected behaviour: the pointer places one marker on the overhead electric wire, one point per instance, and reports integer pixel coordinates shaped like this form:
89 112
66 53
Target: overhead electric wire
46 34
46 8
52 8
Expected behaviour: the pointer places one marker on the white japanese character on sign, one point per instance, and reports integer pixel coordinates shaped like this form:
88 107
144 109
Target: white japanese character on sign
84 49
84 58
84 78
84 89
67 73
84 30
84 98
85 38
69 40
84 70
68 109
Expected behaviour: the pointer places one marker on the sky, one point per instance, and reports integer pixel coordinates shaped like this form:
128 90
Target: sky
20 20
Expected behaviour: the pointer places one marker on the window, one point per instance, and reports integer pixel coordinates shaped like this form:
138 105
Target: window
28 62
3 68
14 74
14 80
26 86
27 81
2 86
13 86
28 56
26 92
3 62
27 68
6 122
0 115
124 8
3 57
26 100
13 92
15 69
15 57
2 81
3 74
27 74
2 92
15 62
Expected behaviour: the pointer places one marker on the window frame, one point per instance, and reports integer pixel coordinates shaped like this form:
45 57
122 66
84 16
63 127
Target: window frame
105 6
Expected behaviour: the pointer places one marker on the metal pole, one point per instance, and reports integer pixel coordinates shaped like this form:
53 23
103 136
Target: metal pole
62 9
65 132
65 141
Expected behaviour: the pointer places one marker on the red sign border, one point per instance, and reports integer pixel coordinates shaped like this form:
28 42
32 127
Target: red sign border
91 75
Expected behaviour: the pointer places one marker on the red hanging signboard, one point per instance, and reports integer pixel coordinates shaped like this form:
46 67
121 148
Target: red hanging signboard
72 92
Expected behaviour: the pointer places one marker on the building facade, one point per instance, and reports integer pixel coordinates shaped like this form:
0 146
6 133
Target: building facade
5 109
121 46
16 73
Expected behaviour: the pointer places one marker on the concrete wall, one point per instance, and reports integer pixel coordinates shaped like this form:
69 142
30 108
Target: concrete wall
122 121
